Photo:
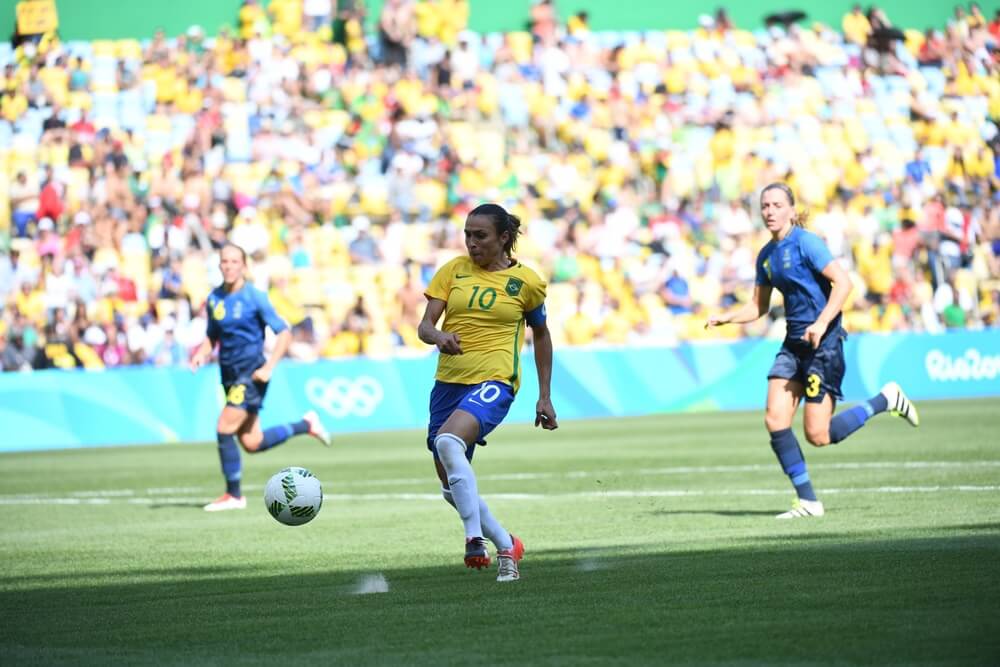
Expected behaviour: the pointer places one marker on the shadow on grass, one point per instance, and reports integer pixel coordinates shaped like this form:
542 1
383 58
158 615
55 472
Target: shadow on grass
715 512
177 505
927 598
980 527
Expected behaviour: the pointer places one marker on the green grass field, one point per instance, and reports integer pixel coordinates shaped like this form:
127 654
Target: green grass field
650 541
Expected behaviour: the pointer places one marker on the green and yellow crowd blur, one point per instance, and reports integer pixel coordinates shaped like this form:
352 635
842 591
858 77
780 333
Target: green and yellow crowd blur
343 160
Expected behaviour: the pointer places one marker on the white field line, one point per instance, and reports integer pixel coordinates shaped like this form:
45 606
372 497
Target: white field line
434 497
180 494
691 470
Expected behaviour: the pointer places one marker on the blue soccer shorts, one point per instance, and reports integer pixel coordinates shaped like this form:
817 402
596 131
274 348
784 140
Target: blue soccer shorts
245 393
488 401
821 371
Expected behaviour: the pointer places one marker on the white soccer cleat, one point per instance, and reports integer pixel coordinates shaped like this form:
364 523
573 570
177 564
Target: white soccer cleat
507 560
507 568
316 428
899 404
803 508
227 502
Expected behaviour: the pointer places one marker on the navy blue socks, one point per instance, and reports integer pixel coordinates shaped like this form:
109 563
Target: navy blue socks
276 435
229 450
229 456
786 448
850 420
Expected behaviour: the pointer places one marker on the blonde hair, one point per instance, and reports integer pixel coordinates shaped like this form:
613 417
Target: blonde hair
801 215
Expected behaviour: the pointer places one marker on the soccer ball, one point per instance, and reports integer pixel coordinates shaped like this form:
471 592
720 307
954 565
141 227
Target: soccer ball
293 496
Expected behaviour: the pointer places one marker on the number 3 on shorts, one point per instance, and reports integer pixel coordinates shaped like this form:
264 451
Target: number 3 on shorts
812 386
487 393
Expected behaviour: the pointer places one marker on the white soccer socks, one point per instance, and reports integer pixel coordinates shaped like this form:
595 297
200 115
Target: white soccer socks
462 480
492 530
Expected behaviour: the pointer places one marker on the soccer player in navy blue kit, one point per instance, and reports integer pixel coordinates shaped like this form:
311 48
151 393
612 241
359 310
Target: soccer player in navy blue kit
810 363
237 315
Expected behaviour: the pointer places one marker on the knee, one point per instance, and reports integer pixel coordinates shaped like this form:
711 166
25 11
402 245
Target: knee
226 427
448 498
450 449
251 441
775 422
818 437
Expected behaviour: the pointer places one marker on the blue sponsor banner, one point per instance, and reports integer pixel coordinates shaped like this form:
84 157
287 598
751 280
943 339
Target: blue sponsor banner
58 409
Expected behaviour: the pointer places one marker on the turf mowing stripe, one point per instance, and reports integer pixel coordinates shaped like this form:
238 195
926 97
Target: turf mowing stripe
685 470
647 493
70 497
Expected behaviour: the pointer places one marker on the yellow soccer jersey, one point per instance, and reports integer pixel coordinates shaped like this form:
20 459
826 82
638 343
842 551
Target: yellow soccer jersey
486 309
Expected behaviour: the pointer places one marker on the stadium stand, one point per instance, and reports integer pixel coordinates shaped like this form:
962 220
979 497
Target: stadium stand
344 164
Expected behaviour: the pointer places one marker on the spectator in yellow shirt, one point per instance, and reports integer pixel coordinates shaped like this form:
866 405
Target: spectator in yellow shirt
579 329
874 263
30 302
286 16
252 18
856 26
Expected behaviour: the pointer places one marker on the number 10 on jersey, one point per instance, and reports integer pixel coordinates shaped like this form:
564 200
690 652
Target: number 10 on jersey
487 298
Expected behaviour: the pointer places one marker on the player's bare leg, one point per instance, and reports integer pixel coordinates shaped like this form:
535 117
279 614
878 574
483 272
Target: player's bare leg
816 421
250 434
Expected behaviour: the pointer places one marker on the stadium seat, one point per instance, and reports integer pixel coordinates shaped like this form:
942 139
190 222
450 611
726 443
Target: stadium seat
78 48
128 49
131 111
104 74
30 126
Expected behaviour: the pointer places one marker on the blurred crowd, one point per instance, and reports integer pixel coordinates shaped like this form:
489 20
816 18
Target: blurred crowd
344 160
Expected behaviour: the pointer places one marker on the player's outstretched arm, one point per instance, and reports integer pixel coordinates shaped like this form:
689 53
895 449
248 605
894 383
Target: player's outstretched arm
748 312
545 414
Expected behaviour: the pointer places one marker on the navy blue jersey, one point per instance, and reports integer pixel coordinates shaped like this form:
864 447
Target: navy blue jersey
794 267
236 321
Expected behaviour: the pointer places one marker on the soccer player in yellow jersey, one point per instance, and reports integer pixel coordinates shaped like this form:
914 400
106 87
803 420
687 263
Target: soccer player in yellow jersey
486 299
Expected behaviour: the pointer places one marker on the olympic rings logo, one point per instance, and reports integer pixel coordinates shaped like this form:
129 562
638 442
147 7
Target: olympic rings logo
341 396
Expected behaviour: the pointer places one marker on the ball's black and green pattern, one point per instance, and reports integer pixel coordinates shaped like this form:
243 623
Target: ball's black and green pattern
293 496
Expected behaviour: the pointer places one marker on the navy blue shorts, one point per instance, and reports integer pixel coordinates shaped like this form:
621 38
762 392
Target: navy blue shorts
489 401
821 371
245 393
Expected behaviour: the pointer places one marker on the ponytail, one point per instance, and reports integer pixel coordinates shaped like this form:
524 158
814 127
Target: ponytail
801 217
